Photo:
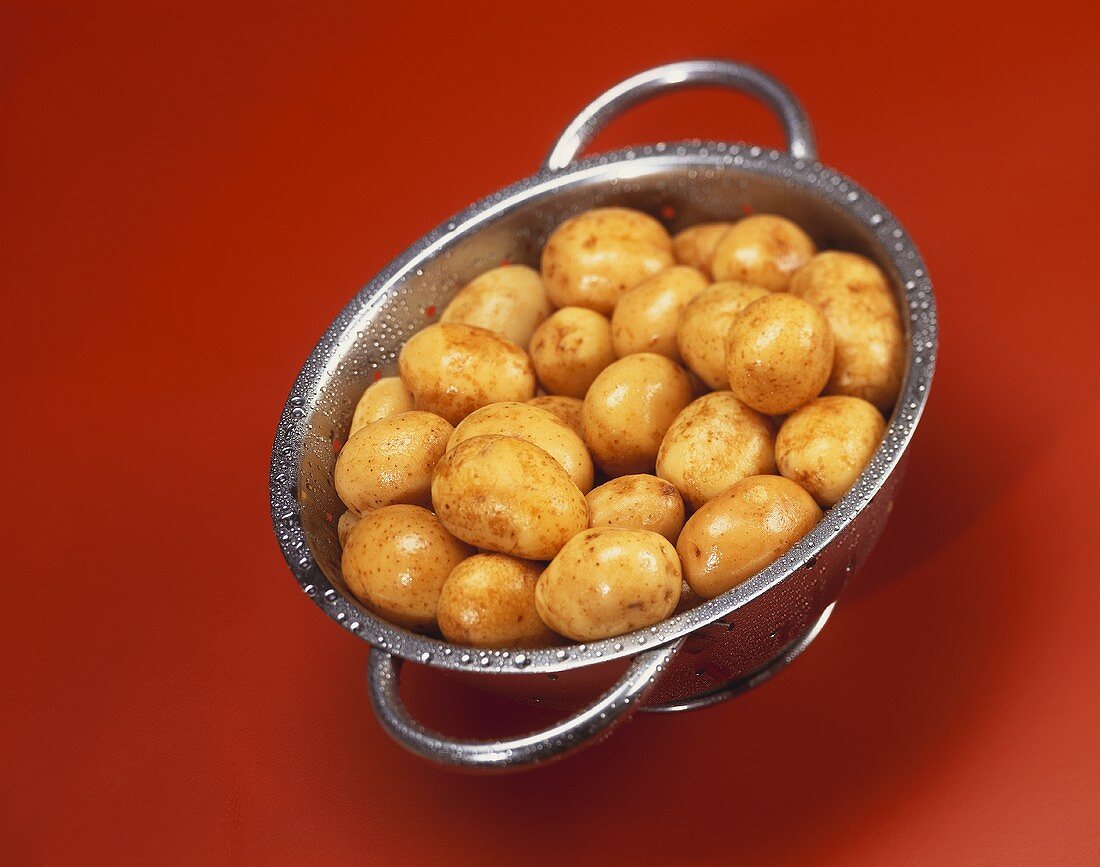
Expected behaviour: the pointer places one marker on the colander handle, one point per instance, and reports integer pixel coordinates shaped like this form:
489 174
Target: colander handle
678 76
586 727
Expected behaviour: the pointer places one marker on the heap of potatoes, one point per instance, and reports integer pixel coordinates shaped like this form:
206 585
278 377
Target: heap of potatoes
532 471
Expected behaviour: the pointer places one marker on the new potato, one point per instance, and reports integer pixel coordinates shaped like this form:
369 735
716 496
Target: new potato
568 409
827 444
489 601
344 526
453 369
695 246
763 249
742 530
510 300
503 494
391 461
628 409
856 300
591 259
570 349
701 333
648 315
536 426
637 502
714 442
384 398
779 352
607 581
396 561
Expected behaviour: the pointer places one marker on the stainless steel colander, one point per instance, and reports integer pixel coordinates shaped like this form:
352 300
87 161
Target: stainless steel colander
693 659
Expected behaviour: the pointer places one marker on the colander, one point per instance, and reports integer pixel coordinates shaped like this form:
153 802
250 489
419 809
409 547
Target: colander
694 658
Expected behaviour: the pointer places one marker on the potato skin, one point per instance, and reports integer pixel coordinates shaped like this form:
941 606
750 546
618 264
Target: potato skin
637 502
826 444
391 461
570 349
857 301
568 409
591 259
384 398
510 300
764 249
628 409
742 530
489 601
344 526
701 334
714 442
647 316
503 494
396 561
536 426
695 246
607 581
779 352
453 369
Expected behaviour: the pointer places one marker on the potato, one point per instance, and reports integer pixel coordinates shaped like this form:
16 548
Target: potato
826 445
591 259
870 343
779 351
489 601
391 461
637 502
570 348
536 426
714 442
742 530
763 249
628 409
344 526
695 246
647 316
568 409
384 398
396 561
454 369
701 334
607 581
503 494
509 300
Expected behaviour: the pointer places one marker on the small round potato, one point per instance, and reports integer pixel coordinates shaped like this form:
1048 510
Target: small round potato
714 442
701 334
510 300
344 526
536 426
870 344
779 352
503 494
384 398
742 530
763 249
591 259
454 369
628 409
695 246
607 581
647 316
637 502
391 461
489 601
396 561
568 409
570 349
826 445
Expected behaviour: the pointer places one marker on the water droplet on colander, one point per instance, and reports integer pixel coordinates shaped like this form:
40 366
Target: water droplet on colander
561 654
465 658
521 660
618 646
425 657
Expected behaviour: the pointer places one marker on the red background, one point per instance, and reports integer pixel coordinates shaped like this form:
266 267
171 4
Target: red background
190 195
